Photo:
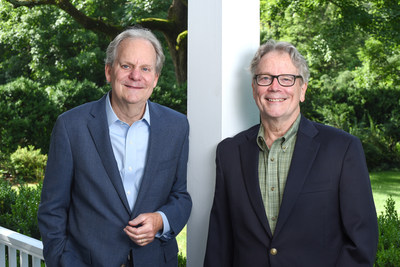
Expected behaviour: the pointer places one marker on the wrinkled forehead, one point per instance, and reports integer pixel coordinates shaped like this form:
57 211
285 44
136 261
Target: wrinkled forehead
136 47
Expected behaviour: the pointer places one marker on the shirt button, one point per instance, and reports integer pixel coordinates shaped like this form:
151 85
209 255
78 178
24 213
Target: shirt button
130 168
273 251
272 159
272 188
273 218
129 192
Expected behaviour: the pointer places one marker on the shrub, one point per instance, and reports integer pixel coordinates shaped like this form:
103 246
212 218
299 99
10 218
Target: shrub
28 164
388 253
173 97
27 116
67 94
181 260
370 114
7 198
19 207
23 215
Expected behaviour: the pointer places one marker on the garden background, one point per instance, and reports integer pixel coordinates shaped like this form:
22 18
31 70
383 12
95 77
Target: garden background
52 59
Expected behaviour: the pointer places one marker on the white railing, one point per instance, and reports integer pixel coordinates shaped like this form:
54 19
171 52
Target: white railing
28 249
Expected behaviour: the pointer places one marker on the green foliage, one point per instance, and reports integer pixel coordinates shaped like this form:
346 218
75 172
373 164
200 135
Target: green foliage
28 164
67 94
20 215
14 44
319 29
174 98
46 45
181 260
371 115
7 198
388 254
380 65
26 116
140 9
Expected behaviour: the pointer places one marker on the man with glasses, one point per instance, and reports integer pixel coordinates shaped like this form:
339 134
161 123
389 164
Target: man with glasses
289 191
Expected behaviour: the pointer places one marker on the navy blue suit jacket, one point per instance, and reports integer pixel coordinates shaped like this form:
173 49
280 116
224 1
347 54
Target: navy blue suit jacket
327 216
84 209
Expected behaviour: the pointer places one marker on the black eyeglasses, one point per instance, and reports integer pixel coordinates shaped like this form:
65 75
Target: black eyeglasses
285 80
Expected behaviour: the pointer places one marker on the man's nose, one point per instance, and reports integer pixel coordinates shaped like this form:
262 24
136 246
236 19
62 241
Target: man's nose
135 74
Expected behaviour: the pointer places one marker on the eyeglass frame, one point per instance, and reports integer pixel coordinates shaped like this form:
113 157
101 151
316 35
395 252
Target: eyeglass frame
277 78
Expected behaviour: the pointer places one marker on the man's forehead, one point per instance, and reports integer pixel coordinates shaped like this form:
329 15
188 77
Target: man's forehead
141 48
276 60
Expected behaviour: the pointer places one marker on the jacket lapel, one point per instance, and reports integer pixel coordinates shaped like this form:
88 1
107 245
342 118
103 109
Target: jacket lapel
153 156
98 129
304 154
249 155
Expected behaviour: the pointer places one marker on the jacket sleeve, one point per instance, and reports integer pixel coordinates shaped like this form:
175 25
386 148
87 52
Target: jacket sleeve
179 204
219 250
55 197
357 209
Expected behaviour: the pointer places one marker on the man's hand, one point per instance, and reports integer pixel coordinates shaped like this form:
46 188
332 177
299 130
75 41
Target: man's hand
144 227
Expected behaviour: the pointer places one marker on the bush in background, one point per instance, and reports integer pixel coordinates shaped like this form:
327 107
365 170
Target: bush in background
371 115
388 254
27 116
181 260
67 94
7 198
19 208
27 164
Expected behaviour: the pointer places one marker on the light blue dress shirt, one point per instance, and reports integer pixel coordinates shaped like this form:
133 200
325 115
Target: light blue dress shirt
129 145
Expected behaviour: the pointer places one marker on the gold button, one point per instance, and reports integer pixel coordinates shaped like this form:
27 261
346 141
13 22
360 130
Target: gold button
273 251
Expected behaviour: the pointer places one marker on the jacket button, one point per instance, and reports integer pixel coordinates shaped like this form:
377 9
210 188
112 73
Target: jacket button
273 251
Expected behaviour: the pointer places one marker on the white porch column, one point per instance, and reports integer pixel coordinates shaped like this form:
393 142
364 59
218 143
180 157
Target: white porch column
223 37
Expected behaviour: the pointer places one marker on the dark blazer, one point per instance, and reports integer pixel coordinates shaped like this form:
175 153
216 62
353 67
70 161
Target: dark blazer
327 216
83 208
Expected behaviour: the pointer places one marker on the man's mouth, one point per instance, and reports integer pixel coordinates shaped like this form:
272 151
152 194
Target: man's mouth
276 99
133 86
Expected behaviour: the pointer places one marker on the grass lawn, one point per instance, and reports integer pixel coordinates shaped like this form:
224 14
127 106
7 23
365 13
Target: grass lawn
384 184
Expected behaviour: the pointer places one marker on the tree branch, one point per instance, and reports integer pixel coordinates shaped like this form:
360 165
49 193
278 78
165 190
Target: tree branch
157 24
87 22
27 3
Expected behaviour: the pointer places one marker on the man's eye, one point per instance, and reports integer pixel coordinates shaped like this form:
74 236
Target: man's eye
146 69
125 66
287 79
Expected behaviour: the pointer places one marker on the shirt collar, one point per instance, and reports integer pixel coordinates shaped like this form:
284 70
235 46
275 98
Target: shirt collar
112 117
287 136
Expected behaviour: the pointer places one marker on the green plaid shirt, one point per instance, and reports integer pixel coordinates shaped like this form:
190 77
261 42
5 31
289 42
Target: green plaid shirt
273 168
